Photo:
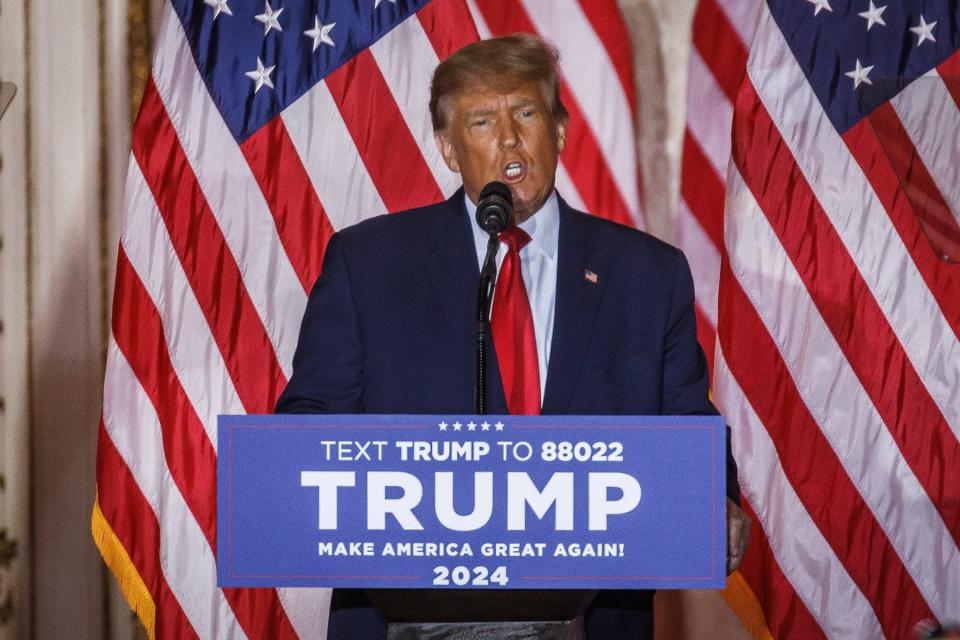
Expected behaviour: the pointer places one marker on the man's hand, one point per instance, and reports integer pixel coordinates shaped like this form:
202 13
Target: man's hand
738 535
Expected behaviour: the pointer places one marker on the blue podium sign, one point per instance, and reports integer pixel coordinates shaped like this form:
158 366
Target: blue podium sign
498 502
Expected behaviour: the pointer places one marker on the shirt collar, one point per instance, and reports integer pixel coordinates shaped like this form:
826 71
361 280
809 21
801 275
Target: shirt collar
543 227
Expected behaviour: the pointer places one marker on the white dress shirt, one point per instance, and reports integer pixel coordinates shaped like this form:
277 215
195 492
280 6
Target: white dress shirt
538 263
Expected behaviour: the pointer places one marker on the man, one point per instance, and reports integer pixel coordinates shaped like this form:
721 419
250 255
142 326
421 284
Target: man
606 325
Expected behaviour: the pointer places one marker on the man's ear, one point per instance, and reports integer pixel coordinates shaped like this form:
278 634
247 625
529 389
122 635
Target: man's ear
445 146
561 136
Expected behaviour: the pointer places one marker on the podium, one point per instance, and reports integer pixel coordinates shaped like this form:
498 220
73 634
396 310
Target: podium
548 614
469 527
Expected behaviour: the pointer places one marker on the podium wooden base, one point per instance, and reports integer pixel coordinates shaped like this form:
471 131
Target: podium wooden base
569 630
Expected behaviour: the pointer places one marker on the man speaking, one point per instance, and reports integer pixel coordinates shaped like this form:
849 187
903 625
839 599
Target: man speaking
588 318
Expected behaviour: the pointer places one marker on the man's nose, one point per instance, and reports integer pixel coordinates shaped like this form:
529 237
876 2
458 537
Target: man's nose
508 135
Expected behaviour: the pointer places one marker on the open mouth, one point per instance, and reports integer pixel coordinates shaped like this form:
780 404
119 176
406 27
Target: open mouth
514 171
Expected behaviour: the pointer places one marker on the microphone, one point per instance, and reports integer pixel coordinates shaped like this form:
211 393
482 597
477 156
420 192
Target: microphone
495 209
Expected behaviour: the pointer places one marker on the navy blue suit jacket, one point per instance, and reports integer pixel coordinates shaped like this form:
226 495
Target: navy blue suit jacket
390 324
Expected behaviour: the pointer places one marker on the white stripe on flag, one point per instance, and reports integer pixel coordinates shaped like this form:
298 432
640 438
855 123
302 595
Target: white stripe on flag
567 189
821 373
194 354
742 15
407 60
133 426
704 259
330 158
308 610
593 80
231 191
859 218
927 100
709 114
483 30
804 555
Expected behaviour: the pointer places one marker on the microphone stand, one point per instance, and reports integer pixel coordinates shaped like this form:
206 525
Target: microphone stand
488 277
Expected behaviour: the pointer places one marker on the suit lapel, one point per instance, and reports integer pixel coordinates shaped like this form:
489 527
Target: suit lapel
577 302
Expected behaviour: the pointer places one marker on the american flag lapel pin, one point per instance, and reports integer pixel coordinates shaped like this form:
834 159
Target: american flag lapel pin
590 276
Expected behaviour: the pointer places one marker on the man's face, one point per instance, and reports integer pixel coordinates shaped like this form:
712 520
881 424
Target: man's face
511 137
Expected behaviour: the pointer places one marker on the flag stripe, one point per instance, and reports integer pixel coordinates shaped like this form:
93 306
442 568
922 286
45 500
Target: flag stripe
584 161
193 579
608 114
195 357
860 329
860 220
190 458
722 50
942 279
228 186
607 22
436 19
915 180
706 105
783 609
139 337
702 190
381 136
406 59
796 327
139 535
822 584
812 467
302 222
341 181
950 72
939 147
207 260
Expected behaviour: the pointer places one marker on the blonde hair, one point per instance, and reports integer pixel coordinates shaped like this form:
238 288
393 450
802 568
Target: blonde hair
501 64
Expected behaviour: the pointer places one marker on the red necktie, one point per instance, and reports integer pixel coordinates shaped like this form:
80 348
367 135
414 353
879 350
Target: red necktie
512 327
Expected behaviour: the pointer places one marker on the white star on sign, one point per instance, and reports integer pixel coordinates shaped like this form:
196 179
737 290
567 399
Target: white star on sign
874 15
485 426
270 18
219 6
443 426
456 426
320 33
376 3
820 5
859 75
499 426
924 31
261 76
471 426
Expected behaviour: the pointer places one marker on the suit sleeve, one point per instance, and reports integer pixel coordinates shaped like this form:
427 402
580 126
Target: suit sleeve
686 384
328 363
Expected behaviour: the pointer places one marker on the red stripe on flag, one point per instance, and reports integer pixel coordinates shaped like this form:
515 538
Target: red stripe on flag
786 614
941 278
138 330
928 203
950 72
812 467
608 24
702 189
719 46
136 527
588 167
449 25
386 146
302 222
847 306
207 260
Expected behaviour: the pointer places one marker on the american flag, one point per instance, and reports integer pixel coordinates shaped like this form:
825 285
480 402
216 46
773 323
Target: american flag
838 359
265 127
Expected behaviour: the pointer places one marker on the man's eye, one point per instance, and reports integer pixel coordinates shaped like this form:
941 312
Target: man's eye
526 114
481 122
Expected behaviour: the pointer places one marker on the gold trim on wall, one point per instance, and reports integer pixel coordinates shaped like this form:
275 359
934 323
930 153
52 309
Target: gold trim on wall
140 43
